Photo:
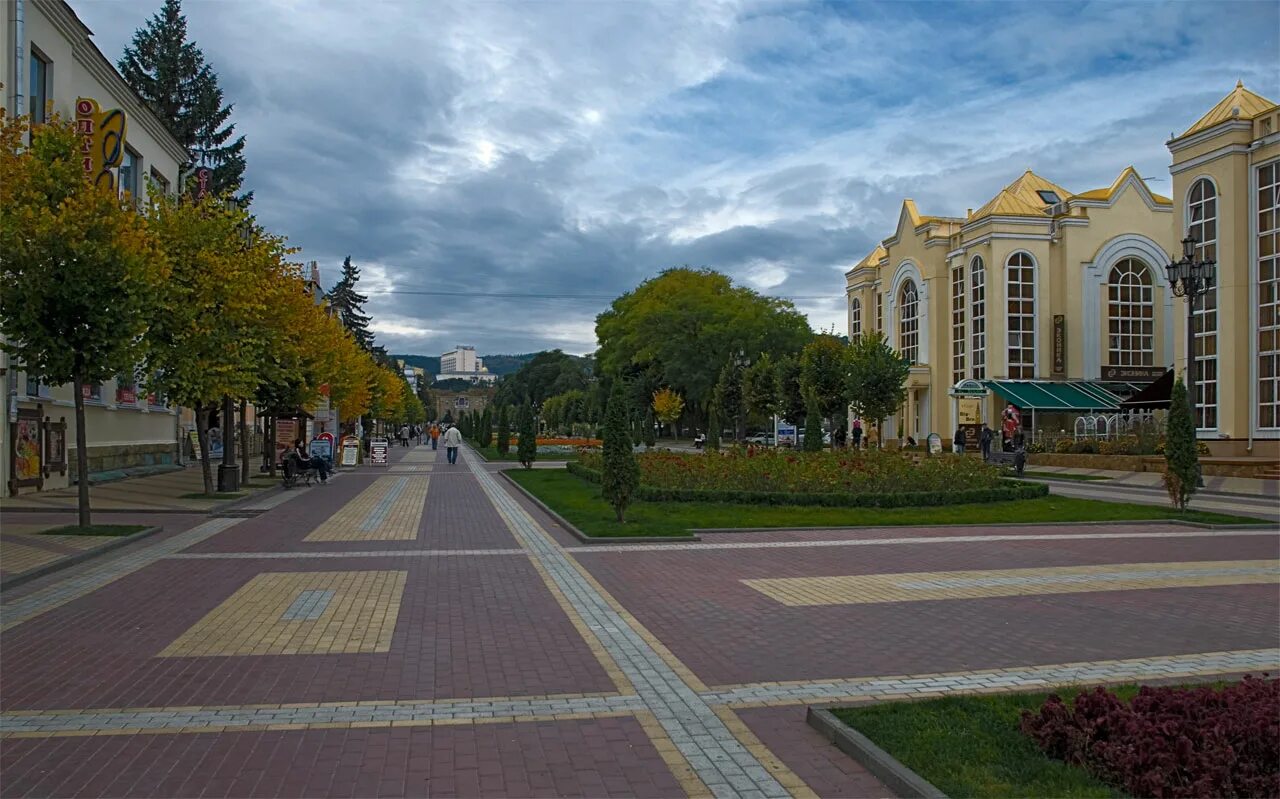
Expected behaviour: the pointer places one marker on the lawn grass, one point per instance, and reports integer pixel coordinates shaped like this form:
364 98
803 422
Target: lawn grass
223 495
581 504
113 530
971 745
1065 476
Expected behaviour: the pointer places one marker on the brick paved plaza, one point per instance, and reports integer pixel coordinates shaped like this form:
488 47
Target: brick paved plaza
422 629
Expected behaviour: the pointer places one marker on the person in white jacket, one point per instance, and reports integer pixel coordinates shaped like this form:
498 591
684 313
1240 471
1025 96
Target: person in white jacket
452 439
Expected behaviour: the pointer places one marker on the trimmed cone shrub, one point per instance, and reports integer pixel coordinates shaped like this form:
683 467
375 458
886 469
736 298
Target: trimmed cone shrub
620 475
812 425
527 448
713 429
1182 464
649 438
504 431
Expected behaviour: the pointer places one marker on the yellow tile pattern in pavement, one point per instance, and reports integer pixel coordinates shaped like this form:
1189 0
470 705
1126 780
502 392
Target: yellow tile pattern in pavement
388 510
914 586
357 613
419 455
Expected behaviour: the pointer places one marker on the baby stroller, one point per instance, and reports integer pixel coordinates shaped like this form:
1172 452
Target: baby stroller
295 470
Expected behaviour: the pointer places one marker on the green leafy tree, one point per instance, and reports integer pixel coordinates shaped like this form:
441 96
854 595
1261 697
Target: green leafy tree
675 328
486 429
621 472
791 402
527 447
1182 462
729 399
546 375
349 304
79 275
760 387
877 379
824 371
813 424
504 431
170 74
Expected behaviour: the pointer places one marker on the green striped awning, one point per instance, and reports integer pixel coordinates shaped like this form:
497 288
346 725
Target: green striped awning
1042 395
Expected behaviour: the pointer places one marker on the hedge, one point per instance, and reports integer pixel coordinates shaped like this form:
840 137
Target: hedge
1010 490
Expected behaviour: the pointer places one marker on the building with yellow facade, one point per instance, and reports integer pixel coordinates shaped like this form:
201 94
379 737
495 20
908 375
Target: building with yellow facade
1057 301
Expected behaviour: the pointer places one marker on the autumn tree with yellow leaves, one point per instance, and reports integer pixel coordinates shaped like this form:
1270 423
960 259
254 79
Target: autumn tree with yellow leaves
79 274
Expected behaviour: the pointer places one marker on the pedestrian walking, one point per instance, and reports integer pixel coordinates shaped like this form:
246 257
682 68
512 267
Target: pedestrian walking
434 434
984 441
404 435
452 439
856 434
957 443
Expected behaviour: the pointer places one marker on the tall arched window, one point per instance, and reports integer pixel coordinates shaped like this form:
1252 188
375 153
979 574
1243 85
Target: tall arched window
1269 295
1130 314
1202 224
1021 272
879 312
957 324
855 319
978 331
908 322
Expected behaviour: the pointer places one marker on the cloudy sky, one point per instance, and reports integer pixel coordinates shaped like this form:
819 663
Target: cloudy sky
572 149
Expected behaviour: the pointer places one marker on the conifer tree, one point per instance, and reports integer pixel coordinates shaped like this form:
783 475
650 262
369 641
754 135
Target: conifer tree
1182 461
713 429
527 448
504 431
170 74
812 424
349 304
486 428
621 474
648 437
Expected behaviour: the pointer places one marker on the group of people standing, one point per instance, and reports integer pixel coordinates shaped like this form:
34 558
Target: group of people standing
451 435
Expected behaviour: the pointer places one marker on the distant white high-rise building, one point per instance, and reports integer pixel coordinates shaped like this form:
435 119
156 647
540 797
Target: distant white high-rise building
461 363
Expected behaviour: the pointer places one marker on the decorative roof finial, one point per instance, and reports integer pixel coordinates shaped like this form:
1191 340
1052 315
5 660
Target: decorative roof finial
1239 84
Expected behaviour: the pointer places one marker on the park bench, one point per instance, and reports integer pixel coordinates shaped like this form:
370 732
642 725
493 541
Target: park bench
1016 460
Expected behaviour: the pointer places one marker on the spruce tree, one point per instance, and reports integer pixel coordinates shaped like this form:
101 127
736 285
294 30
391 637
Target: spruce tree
729 397
621 474
1182 462
486 428
649 437
527 448
504 431
171 76
812 424
349 304
713 429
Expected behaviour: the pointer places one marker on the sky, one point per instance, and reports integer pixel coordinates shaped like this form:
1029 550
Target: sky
571 150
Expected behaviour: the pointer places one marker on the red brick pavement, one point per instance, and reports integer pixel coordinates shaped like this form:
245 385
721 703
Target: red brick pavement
468 627
727 632
824 768
593 758
847 534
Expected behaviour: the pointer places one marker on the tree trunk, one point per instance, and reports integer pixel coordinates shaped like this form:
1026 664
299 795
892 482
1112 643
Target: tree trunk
269 446
244 442
202 436
82 455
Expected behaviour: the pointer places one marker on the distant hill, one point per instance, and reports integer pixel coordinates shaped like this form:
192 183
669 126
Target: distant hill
497 364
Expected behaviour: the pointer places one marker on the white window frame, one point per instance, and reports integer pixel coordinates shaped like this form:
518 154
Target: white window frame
855 319
1206 337
959 342
1126 322
1271 330
909 321
978 320
1024 370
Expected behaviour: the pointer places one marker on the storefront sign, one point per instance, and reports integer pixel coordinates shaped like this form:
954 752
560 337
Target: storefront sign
26 443
969 410
55 446
786 435
286 434
127 395
203 175
1133 374
102 135
378 452
1059 344
196 452
350 451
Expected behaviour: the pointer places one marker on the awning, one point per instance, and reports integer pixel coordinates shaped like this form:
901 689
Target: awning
1042 395
1155 395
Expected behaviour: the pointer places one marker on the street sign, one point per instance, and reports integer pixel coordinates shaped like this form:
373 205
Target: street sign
378 452
786 435
935 444
350 451
322 447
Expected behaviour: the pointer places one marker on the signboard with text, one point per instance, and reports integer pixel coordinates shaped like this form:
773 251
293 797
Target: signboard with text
286 434
350 451
1059 344
1133 374
378 452
102 136
786 435
322 447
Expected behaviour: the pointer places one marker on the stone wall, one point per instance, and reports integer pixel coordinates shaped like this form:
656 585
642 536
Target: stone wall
125 456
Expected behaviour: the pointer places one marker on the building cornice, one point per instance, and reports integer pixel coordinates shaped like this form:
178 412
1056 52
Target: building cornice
1212 155
1005 220
1230 125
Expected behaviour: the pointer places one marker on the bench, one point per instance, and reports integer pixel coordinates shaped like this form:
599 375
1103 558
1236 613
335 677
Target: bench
1017 460
294 471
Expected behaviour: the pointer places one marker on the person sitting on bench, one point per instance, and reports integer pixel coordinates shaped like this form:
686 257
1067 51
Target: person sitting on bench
305 461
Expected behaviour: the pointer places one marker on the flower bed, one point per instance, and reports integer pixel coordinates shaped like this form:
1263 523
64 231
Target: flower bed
570 442
780 471
1170 741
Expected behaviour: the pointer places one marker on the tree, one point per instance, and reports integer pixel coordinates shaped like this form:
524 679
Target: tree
546 375
760 387
79 275
349 304
649 437
824 372
791 402
713 429
504 431
527 448
668 405
1182 462
729 398
813 424
621 474
877 379
172 77
678 326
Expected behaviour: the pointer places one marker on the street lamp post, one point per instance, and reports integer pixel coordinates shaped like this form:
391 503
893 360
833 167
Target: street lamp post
1191 277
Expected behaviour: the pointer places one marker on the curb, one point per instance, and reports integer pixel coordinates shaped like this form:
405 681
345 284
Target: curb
1115 482
586 539
79 557
898 778
1051 525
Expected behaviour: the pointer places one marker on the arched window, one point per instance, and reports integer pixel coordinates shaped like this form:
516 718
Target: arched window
978 324
1130 314
957 324
879 312
1202 224
1269 295
908 322
1021 271
855 319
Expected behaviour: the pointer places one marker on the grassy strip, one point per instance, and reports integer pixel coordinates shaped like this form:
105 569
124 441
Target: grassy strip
971 745
1065 476
215 495
580 503
112 530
